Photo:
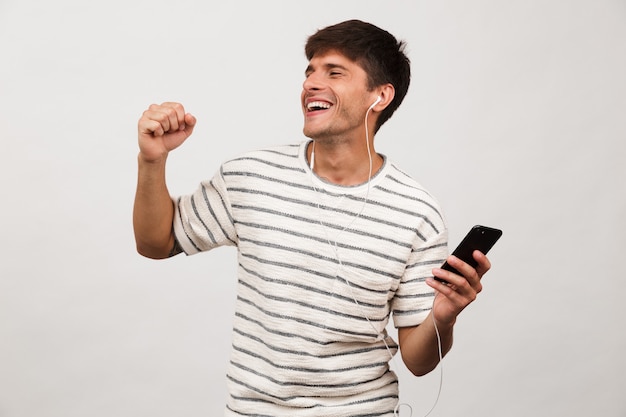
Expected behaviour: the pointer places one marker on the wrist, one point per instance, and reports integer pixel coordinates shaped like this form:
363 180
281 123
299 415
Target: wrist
152 159
444 325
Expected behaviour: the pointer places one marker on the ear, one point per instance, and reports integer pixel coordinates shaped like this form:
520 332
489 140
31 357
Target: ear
386 92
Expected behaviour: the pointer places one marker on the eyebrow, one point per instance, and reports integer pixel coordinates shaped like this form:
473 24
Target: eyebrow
328 66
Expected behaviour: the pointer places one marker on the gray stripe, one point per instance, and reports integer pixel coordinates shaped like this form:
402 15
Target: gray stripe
249 174
392 347
306 322
324 258
410 312
267 394
303 370
314 289
322 275
195 211
318 239
416 296
315 222
396 209
330 209
426 263
349 404
419 200
337 210
180 216
208 204
427 248
270 163
312 306
280 333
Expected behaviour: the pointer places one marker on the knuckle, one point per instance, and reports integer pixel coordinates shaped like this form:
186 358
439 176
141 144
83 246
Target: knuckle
160 117
170 112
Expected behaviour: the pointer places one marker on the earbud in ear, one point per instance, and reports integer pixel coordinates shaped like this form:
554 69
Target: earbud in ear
378 99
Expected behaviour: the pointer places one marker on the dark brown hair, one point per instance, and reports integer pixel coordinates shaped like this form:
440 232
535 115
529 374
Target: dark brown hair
377 51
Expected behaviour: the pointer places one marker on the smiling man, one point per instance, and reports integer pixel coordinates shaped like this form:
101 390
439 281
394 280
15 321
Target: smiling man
333 241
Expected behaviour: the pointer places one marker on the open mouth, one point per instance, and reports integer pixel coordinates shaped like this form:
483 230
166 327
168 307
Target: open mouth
317 106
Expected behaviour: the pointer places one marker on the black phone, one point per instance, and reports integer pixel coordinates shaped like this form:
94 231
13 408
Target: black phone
481 238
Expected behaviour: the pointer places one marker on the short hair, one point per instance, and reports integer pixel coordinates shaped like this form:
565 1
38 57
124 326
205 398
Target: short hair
377 51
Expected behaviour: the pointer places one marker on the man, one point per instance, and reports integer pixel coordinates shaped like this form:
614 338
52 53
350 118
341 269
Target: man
332 240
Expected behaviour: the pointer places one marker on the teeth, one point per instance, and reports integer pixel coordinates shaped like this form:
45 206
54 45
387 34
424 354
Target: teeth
314 105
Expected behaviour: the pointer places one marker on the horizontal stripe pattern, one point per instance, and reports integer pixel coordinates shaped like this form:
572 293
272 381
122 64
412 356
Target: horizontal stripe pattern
322 269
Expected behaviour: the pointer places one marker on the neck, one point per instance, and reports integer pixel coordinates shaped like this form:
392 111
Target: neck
343 164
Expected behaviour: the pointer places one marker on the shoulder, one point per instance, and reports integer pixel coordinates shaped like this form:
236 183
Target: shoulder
286 151
270 164
401 183
411 196
283 155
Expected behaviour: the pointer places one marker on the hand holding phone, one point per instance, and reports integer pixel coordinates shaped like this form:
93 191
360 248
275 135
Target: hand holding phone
481 238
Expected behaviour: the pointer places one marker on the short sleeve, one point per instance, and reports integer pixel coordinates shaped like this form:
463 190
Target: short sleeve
203 220
414 298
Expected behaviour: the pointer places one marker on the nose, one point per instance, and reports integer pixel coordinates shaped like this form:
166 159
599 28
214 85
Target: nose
312 82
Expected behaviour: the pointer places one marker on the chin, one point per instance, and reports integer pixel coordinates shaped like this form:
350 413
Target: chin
311 133
316 132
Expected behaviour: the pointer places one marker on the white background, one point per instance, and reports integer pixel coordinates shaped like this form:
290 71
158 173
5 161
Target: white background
515 119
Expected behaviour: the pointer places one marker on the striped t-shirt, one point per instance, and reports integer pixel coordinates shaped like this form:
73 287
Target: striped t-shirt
321 267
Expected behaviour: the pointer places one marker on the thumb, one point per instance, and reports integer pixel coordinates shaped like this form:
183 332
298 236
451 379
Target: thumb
190 123
173 140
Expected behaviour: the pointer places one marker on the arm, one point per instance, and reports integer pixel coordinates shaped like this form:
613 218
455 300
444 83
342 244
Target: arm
418 344
162 128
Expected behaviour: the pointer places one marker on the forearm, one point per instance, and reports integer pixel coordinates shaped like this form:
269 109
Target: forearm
153 211
419 345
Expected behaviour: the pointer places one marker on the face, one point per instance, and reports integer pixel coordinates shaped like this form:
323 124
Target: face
335 98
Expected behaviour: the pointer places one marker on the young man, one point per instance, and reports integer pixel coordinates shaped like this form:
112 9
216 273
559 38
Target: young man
332 240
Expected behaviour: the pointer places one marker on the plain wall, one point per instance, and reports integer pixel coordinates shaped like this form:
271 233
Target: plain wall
516 118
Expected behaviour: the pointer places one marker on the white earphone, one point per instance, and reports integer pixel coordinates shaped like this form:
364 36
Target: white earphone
311 164
378 99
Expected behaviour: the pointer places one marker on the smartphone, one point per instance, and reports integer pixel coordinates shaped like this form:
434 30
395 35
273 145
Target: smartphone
481 238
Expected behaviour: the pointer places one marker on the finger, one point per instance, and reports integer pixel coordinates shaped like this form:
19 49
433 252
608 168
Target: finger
165 114
484 264
442 287
464 268
176 112
446 277
469 275
453 283
189 123
460 298
190 120
149 126
168 114
157 114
